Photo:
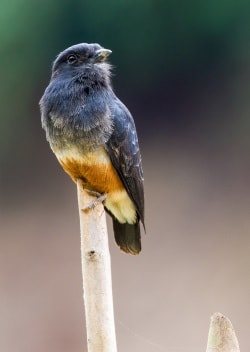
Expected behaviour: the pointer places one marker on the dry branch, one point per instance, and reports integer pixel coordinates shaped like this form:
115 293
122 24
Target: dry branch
96 270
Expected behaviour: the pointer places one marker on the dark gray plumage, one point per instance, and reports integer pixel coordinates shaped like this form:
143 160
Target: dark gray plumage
93 135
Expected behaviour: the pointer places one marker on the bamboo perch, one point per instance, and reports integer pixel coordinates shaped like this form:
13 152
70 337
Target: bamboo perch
221 336
96 271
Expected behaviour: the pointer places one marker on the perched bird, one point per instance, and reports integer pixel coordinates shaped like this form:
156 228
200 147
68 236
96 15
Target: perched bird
94 138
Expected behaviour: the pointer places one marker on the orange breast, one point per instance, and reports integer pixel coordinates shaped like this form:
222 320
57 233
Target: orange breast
94 169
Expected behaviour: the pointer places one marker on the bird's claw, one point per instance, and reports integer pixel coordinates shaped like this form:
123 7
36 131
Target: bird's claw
99 199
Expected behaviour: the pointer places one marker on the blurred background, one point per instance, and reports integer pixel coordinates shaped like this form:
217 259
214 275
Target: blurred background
183 69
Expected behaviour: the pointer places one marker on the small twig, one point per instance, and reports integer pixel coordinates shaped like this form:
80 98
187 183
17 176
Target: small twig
96 270
221 336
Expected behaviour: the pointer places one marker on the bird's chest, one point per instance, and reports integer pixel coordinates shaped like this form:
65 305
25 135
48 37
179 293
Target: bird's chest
73 133
72 118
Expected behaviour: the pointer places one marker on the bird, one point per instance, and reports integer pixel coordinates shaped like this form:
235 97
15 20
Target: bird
93 136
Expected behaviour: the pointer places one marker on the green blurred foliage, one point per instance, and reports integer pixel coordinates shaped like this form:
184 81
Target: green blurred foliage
150 40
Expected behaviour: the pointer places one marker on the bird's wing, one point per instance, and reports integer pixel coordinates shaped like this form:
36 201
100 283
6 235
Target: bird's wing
123 149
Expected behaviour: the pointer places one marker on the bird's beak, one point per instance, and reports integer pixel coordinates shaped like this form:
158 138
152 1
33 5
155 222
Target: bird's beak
101 55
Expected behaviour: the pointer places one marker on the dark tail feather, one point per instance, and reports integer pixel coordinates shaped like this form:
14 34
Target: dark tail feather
128 237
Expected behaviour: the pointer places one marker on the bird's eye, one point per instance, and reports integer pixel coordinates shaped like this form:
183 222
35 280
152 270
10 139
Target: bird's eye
71 59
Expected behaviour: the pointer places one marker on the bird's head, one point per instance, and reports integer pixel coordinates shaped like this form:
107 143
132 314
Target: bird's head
78 58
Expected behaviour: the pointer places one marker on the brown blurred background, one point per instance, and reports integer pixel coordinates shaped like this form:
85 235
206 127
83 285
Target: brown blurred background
183 69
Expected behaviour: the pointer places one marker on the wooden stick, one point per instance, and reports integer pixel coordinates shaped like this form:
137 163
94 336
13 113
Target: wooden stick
221 336
96 271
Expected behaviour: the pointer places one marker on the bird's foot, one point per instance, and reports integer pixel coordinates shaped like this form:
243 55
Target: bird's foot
99 199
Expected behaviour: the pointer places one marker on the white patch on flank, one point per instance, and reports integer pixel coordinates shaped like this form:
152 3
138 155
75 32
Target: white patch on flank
121 206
